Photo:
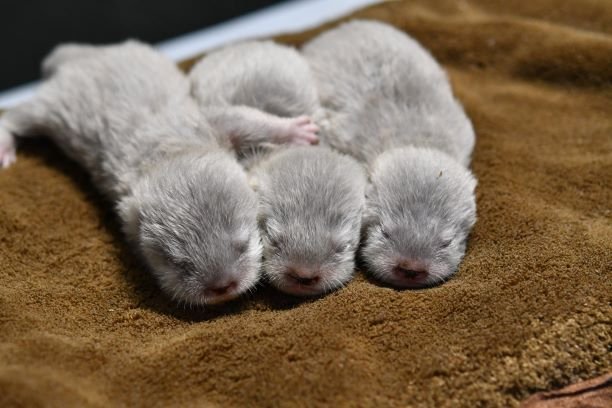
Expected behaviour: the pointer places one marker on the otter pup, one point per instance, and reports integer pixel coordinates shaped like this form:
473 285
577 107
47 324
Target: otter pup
390 105
124 113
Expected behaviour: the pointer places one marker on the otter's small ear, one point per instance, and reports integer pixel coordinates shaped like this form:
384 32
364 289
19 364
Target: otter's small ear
253 182
129 212
369 218
258 180
267 225
261 222
473 183
370 191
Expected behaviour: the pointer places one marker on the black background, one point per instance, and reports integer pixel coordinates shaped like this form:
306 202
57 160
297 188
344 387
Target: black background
30 28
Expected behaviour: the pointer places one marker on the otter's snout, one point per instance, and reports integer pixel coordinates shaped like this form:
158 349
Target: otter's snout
303 276
222 290
410 273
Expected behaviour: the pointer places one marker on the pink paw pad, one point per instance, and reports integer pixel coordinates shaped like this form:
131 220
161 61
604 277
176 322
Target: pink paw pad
302 131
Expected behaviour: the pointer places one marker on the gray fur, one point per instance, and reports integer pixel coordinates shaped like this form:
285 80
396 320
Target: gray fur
124 113
254 92
389 104
311 198
311 204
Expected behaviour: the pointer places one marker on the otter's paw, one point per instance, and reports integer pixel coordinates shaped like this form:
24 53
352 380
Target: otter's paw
301 131
8 151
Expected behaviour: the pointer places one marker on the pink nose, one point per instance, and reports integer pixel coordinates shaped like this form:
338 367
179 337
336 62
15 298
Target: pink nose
413 273
303 277
223 289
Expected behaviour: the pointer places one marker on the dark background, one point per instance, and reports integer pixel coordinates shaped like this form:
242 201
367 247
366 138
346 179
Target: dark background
30 28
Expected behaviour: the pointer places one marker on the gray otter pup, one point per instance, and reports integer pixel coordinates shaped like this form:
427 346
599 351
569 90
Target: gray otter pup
125 114
311 198
390 105
251 92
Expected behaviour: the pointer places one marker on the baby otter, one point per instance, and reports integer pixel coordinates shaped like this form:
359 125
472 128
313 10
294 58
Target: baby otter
390 105
124 113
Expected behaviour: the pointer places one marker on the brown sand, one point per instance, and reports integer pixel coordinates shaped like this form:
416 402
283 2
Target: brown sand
82 323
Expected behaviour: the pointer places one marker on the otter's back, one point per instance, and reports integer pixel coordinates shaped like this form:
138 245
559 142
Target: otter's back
261 74
93 106
381 89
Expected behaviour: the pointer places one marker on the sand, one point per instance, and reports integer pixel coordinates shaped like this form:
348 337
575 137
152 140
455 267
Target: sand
82 323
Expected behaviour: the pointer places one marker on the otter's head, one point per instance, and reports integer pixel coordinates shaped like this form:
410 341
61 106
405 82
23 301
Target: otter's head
194 220
420 209
311 203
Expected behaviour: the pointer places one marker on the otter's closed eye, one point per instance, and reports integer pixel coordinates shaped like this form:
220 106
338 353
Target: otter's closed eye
241 246
342 247
385 233
446 244
274 242
184 266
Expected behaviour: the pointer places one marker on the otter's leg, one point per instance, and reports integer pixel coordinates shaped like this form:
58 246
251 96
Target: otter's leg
248 127
8 150
27 119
